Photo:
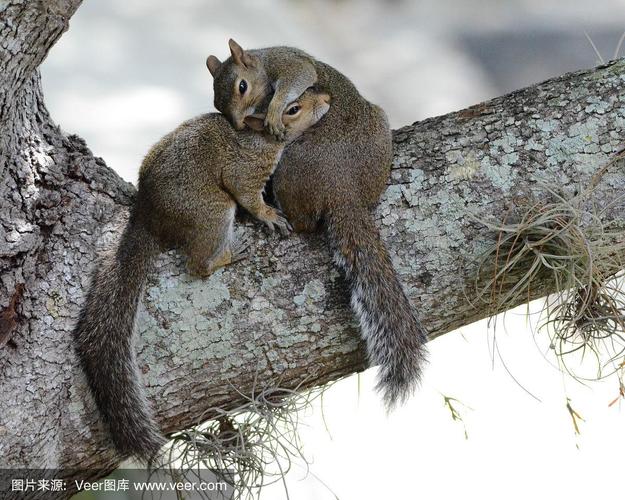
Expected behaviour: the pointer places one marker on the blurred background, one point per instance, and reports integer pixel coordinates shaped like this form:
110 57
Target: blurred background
128 71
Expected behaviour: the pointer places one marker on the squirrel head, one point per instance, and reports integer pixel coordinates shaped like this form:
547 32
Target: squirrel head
240 84
298 116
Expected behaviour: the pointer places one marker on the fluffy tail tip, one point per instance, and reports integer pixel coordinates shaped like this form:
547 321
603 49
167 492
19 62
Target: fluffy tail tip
397 383
145 447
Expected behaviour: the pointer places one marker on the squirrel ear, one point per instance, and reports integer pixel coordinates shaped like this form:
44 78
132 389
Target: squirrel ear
325 98
240 57
237 52
255 122
213 64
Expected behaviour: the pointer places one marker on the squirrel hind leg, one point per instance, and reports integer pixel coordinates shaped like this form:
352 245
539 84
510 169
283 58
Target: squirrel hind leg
212 245
198 265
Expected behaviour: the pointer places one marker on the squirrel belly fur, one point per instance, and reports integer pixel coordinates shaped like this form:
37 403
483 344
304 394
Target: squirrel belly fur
190 183
331 178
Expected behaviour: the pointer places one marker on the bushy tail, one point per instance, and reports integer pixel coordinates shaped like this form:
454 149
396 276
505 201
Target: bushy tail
394 336
103 340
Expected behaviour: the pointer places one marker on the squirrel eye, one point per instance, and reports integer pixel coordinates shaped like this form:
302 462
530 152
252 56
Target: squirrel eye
242 86
293 110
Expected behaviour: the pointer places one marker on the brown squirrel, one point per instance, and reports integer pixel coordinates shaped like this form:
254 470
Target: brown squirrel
189 185
332 177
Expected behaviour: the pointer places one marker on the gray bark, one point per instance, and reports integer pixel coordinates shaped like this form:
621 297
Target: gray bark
283 315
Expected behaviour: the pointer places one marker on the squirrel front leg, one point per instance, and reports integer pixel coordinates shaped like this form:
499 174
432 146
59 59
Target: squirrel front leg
253 202
287 89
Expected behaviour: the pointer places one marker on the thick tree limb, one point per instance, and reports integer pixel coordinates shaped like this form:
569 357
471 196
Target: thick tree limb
283 315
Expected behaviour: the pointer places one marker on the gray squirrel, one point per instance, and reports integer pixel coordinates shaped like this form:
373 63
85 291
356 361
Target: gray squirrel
331 178
189 185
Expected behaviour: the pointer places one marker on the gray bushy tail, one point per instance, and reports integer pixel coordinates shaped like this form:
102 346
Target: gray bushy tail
389 324
103 341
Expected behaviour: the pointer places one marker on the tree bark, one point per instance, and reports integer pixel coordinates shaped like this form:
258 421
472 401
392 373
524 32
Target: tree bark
283 315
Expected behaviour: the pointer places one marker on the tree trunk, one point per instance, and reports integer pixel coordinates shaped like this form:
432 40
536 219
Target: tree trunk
283 314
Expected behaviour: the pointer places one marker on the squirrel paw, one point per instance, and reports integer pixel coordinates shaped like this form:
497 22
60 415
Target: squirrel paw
284 226
275 127
280 222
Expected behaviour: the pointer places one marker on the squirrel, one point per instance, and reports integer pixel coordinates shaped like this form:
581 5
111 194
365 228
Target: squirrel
189 185
331 179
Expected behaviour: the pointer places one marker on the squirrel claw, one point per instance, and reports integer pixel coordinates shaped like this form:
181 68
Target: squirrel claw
284 228
279 136
280 223
241 249
276 129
